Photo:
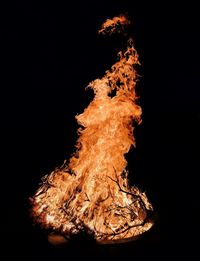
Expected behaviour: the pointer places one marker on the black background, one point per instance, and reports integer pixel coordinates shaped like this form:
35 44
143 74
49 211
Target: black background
51 52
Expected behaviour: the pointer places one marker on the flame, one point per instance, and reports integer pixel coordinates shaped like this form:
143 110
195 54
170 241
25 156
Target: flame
92 193
116 24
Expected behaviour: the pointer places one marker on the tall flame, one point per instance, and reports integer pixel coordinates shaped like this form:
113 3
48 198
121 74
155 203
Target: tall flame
91 193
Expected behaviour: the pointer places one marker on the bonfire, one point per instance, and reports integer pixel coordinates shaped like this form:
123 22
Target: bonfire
90 193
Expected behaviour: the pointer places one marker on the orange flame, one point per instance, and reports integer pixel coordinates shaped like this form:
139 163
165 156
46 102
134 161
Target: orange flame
116 24
91 193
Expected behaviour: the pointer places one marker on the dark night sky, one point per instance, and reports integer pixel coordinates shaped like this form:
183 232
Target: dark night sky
50 53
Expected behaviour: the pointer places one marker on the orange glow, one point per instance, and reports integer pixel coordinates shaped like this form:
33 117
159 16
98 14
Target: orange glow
92 193
114 25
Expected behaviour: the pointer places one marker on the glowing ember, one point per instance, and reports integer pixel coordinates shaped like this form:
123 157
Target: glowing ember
91 193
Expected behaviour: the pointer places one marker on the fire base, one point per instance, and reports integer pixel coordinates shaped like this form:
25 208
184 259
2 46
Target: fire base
115 213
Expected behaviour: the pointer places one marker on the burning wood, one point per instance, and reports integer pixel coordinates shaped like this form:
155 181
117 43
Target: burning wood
91 193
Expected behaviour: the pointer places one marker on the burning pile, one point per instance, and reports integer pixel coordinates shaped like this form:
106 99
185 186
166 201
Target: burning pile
91 193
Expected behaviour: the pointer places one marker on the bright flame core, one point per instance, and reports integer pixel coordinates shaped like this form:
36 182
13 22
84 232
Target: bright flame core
91 193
